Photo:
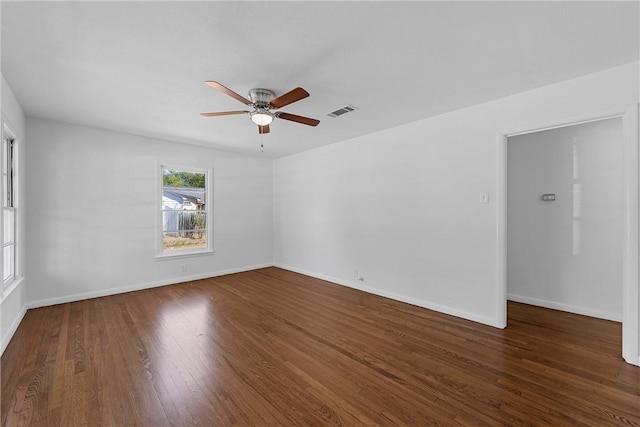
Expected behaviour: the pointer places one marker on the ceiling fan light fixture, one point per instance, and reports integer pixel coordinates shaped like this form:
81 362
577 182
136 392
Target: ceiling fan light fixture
261 117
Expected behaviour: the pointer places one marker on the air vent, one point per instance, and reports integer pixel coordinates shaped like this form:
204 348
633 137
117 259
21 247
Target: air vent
340 111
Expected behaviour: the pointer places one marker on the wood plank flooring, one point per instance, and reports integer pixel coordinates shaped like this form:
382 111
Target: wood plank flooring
275 348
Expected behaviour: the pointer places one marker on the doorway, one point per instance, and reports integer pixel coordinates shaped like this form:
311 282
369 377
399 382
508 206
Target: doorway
565 218
573 215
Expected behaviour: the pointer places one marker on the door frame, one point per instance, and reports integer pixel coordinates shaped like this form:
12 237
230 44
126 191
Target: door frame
630 262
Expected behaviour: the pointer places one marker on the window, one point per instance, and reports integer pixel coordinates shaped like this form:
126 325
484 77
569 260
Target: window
8 210
185 211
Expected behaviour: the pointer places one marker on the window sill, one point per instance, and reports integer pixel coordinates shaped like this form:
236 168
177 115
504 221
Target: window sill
10 288
165 257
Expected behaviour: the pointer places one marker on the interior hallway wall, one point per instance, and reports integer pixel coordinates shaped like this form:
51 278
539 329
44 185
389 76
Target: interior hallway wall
567 254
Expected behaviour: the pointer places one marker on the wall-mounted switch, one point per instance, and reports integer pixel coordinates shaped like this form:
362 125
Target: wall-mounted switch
548 197
484 198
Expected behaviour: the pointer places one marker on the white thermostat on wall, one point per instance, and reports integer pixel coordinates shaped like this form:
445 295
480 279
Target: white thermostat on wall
548 197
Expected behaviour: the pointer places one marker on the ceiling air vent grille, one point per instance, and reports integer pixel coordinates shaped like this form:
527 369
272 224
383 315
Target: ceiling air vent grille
340 111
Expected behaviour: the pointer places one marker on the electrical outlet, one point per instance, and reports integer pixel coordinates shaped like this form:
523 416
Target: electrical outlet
183 268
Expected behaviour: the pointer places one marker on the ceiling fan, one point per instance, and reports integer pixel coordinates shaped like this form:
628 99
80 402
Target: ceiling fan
262 102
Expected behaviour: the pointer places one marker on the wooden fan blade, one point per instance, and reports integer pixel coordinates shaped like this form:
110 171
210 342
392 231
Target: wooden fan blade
223 113
228 91
292 96
263 129
298 119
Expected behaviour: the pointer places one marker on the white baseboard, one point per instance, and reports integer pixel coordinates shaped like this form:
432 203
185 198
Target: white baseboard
585 311
12 330
398 297
137 287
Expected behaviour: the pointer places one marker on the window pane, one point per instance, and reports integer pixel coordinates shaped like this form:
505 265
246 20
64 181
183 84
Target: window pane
4 189
8 256
5 154
8 228
7 172
184 230
184 210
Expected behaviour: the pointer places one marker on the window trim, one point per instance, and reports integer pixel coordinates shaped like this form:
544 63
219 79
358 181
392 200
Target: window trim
209 250
6 287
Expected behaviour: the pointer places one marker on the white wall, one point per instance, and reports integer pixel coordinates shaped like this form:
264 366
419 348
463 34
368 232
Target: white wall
13 303
402 205
567 254
92 197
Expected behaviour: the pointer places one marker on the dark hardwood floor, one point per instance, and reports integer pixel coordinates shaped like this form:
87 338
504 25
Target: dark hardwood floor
275 348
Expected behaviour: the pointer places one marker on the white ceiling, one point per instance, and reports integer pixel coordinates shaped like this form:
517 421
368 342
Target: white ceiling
139 67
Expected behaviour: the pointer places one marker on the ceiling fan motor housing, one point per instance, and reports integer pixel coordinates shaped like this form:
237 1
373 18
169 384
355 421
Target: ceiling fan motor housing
261 97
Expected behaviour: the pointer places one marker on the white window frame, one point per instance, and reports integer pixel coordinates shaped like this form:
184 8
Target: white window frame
208 250
12 205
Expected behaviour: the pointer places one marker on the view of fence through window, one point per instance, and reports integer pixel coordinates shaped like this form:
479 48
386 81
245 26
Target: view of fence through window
184 210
